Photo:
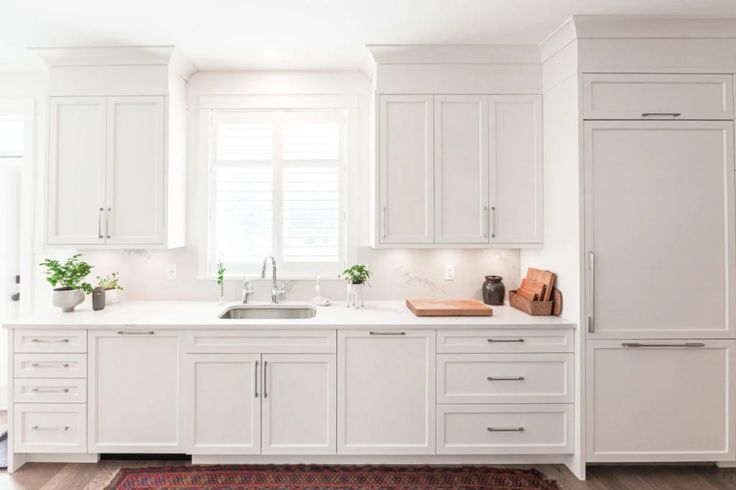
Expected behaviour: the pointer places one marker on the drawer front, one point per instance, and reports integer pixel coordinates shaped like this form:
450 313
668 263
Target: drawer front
50 341
618 96
49 428
506 340
261 342
42 390
505 378
50 365
504 429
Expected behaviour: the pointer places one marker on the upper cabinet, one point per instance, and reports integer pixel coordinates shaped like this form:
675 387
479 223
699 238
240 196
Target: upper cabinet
459 170
117 148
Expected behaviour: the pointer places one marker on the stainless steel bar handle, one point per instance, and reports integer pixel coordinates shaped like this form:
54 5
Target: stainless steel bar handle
129 332
505 378
99 223
50 341
591 267
505 340
387 333
666 344
107 222
505 429
256 378
486 222
50 390
63 429
50 365
265 379
661 114
493 221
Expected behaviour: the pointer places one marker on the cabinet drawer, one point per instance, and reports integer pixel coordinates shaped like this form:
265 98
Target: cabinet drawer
505 378
506 340
50 365
50 390
662 96
49 341
504 429
49 428
261 342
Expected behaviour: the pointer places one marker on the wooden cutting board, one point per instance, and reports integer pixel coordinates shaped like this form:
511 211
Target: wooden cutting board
448 307
546 278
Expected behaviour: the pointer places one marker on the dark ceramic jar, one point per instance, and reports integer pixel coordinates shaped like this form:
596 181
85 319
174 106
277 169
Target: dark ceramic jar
494 290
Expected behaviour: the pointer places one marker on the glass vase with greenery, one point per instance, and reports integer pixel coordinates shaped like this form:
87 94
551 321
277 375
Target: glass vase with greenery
221 281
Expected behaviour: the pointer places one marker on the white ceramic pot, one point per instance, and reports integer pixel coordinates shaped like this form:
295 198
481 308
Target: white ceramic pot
112 296
355 295
67 299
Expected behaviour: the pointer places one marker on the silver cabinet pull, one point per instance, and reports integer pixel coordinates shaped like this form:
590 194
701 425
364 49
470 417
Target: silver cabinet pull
107 222
505 378
661 114
50 365
128 332
591 267
62 429
493 221
684 344
255 381
50 390
265 379
505 340
505 429
387 333
99 223
50 341
486 222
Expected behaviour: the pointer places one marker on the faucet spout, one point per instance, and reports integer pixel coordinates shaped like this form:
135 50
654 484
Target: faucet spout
277 293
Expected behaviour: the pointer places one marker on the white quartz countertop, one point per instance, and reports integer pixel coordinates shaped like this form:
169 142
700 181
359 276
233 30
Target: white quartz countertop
193 314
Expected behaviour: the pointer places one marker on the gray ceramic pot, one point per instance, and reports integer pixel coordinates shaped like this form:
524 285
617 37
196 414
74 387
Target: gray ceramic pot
67 299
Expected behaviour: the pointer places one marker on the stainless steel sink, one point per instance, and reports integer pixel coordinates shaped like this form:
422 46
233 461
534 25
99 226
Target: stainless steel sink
266 312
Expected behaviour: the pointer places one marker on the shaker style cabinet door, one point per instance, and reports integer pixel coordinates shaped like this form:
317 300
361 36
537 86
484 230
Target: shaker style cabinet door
386 392
406 169
462 210
659 225
76 178
134 206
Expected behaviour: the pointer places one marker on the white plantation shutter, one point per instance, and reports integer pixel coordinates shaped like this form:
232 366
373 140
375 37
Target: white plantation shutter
276 189
11 135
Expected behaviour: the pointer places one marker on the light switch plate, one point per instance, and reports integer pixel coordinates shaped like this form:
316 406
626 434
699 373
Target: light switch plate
171 272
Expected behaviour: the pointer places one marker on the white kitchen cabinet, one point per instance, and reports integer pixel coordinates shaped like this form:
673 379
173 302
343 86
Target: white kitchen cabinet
222 404
406 169
659 206
76 180
462 209
299 397
386 392
134 391
516 166
660 400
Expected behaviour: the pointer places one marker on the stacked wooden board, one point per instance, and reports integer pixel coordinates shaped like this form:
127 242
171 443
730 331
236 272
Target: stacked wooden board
537 294
448 307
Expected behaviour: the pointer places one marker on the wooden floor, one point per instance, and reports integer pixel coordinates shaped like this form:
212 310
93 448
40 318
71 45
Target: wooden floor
47 476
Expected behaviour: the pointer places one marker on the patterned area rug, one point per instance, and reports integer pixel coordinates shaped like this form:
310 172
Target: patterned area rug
332 477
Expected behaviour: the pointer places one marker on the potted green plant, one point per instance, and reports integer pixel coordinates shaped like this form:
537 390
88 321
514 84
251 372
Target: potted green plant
68 281
111 284
357 278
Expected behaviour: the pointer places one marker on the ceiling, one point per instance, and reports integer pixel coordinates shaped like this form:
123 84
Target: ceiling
299 34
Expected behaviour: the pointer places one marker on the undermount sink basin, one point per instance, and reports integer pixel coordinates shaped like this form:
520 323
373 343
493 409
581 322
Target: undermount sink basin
266 312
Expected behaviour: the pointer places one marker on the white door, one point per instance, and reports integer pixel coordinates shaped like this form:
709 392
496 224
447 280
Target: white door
222 404
660 400
299 412
516 186
133 392
461 169
135 170
76 181
406 169
659 221
386 392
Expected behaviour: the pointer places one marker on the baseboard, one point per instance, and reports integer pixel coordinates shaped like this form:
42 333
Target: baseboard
358 459
62 458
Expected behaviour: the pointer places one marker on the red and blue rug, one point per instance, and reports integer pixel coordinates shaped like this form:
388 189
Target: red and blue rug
329 477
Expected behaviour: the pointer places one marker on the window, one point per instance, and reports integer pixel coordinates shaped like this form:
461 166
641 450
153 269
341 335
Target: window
276 188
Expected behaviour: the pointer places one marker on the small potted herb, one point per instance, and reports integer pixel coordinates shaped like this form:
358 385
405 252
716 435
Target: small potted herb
357 278
68 281
221 281
110 283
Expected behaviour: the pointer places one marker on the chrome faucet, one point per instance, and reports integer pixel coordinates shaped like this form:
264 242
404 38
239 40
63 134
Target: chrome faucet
247 291
277 293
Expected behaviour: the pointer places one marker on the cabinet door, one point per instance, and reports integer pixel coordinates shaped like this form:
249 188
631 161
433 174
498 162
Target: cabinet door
406 170
660 401
222 404
135 170
76 181
461 169
659 221
386 392
516 187
134 392
299 404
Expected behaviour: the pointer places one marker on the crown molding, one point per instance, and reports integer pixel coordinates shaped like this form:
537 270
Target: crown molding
453 53
648 26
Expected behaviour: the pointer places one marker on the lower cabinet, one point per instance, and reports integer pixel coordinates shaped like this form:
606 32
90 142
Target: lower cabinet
260 404
386 391
133 392
660 400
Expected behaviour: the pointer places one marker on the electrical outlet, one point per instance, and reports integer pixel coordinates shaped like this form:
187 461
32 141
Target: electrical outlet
171 272
449 272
